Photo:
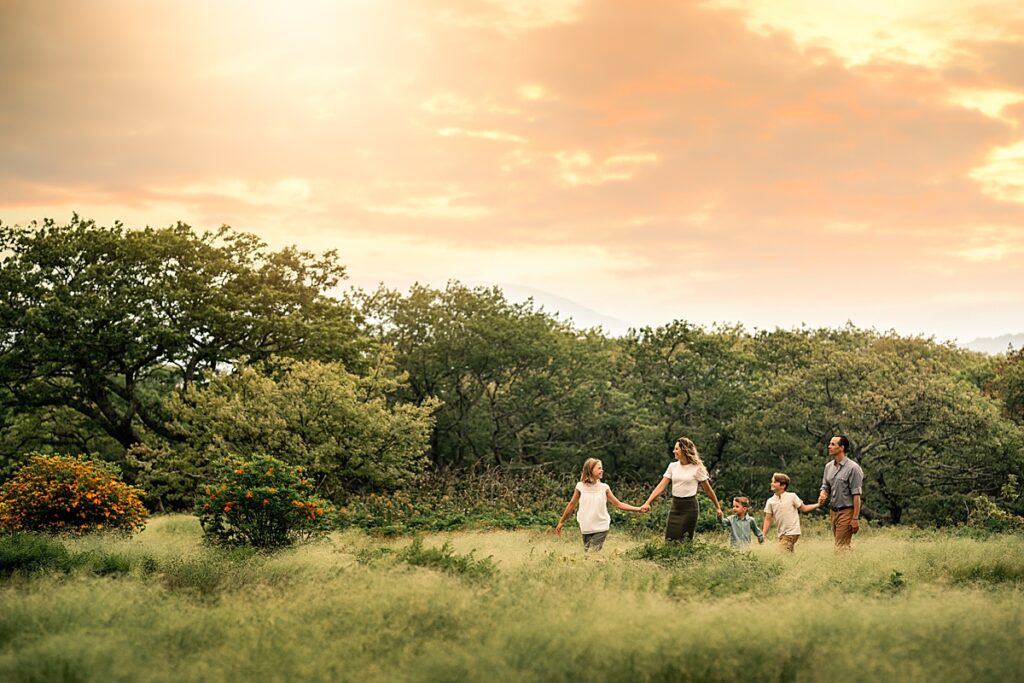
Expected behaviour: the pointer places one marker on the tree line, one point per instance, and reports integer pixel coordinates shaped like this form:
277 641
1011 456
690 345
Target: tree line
166 349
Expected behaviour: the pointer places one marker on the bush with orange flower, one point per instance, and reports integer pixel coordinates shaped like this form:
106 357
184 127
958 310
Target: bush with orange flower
263 503
62 493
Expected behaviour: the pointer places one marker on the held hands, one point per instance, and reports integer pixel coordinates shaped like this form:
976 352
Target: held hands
822 497
645 507
718 511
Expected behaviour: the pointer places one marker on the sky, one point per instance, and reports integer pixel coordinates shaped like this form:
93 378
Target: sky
774 163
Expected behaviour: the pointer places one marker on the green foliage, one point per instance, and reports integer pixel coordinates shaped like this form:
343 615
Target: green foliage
1007 384
917 423
895 584
49 429
343 429
985 514
27 553
69 494
106 321
516 385
30 552
371 554
495 498
687 381
447 560
262 503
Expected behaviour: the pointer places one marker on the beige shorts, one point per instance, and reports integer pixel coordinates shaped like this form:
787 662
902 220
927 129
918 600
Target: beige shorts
787 542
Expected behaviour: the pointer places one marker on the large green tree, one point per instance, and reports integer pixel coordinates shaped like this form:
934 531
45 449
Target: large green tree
104 321
688 381
518 386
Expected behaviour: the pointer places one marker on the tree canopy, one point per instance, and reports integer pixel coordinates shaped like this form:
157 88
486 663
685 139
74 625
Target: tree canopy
201 345
106 321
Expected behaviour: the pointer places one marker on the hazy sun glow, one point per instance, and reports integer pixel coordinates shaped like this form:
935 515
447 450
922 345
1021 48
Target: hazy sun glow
771 162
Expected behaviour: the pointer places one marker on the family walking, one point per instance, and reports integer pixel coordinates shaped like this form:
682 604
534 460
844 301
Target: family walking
841 487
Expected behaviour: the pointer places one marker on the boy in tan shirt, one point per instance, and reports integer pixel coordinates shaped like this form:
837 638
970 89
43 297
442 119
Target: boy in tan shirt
785 508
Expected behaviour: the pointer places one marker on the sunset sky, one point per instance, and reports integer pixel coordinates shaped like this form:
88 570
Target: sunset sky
769 162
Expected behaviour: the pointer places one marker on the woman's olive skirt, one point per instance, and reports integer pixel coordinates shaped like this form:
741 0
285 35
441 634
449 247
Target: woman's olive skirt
682 519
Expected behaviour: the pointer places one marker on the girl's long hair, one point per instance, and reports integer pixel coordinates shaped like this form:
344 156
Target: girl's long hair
690 452
587 477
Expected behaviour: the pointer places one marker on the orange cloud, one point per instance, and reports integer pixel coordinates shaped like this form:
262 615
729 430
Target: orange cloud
700 161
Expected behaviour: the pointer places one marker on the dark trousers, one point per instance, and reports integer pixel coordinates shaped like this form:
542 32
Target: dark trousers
682 519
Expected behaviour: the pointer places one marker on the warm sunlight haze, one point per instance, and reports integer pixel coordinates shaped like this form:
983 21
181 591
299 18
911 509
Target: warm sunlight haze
770 163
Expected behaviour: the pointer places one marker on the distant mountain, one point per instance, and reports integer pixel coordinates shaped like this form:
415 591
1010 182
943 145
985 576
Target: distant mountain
995 345
582 317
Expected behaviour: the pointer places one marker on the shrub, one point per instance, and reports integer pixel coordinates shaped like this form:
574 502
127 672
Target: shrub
503 499
263 503
57 493
26 552
990 517
447 560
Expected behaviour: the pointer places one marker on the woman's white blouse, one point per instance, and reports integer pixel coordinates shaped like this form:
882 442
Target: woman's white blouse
685 478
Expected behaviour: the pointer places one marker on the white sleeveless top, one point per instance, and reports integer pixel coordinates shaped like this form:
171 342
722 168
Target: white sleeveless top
593 511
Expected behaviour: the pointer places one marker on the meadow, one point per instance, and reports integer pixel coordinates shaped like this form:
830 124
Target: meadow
514 605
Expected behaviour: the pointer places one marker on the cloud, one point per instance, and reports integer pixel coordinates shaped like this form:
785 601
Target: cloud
695 157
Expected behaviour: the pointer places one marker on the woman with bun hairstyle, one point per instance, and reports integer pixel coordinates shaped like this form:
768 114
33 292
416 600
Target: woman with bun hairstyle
685 475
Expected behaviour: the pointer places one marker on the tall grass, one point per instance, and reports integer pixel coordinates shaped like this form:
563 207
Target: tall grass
920 606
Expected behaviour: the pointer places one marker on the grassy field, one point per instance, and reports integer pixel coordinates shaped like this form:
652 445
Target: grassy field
518 606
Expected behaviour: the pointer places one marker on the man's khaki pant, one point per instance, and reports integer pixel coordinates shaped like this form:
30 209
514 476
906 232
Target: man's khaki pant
841 528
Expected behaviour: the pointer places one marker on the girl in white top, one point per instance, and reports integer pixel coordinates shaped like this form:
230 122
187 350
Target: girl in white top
685 474
593 498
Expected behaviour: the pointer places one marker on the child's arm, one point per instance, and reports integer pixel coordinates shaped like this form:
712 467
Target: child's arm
568 511
807 507
767 524
757 532
617 503
662 485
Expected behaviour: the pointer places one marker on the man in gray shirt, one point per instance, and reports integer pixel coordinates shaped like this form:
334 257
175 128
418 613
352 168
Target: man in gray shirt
843 480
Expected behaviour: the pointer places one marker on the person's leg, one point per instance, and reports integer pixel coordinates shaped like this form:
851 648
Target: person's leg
787 543
841 527
595 541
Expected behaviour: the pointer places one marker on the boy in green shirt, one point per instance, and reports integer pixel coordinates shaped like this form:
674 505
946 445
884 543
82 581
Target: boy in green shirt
741 525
